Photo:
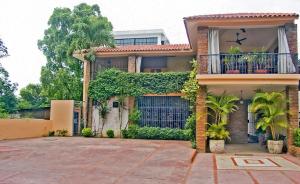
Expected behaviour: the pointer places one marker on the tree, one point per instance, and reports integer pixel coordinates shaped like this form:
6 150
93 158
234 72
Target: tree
3 49
31 97
8 100
81 28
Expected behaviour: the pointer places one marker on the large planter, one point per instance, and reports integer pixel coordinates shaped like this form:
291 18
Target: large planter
275 147
217 146
232 71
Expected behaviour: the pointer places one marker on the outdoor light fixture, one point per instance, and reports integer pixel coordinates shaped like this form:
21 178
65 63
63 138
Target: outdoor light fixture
241 99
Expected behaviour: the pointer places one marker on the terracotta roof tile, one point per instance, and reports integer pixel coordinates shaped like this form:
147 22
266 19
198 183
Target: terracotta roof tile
242 15
140 48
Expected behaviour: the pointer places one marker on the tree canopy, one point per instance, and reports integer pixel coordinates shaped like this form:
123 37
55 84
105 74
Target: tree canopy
81 28
31 97
8 100
3 49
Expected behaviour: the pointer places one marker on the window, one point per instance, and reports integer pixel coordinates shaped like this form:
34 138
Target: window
136 41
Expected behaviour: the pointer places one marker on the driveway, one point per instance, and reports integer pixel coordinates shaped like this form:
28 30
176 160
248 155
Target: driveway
123 161
93 160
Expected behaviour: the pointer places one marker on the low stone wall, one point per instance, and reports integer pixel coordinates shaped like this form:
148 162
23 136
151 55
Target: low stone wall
295 151
24 128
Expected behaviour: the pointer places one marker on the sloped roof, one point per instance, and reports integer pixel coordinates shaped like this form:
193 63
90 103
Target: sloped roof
141 48
242 15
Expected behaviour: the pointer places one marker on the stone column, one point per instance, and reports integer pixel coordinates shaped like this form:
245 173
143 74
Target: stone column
202 49
131 69
293 107
85 99
201 119
291 35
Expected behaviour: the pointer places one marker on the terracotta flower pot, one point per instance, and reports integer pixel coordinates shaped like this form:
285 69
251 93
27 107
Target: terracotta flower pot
275 147
233 71
262 71
217 146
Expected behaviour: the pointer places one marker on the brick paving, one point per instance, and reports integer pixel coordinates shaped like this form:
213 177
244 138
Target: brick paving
115 161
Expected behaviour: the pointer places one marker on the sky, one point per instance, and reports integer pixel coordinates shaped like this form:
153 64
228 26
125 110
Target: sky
22 23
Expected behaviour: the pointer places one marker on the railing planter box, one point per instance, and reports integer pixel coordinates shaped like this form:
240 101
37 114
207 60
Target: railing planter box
233 71
261 71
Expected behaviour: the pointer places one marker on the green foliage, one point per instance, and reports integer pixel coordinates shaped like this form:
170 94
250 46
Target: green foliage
87 132
51 133
110 133
234 50
136 132
31 97
81 28
113 82
191 86
134 116
297 137
190 126
8 101
217 131
62 133
221 106
270 109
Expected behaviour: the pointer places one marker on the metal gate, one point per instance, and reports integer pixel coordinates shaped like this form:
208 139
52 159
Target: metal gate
163 111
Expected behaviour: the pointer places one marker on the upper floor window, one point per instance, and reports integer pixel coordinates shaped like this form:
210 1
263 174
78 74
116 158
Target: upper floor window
136 41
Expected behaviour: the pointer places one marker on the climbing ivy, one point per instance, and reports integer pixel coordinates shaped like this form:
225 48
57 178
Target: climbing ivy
113 82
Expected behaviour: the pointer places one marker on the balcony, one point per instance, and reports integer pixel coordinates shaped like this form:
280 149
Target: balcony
248 63
249 68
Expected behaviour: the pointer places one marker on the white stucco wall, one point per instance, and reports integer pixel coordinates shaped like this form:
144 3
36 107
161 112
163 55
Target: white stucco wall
112 120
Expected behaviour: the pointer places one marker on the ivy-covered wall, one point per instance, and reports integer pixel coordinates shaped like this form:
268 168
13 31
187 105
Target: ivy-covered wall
113 82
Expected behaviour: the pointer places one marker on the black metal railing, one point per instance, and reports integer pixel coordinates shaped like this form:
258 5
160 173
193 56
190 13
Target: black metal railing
249 63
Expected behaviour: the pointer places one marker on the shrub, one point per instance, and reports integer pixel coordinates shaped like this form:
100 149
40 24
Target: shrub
125 133
136 132
297 137
51 133
110 133
190 126
62 133
87 132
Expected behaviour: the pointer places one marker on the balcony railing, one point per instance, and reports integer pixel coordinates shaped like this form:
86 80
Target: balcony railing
248 63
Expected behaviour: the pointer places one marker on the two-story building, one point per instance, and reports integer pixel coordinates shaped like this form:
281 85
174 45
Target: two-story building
219 43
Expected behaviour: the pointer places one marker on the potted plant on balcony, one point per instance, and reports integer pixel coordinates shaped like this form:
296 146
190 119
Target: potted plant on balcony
270 108
249 58
231 60
260 61
219 108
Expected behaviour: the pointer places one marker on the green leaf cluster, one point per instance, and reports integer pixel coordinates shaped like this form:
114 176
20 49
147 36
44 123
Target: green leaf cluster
297 137
113 82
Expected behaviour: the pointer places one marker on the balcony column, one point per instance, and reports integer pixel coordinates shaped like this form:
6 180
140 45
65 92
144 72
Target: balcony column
85 98
201 119
202 49
293 107
291 35
131 69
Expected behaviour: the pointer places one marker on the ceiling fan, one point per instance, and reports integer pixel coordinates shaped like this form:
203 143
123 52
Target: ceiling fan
238 40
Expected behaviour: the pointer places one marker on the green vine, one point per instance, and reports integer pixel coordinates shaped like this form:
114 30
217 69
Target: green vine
113 82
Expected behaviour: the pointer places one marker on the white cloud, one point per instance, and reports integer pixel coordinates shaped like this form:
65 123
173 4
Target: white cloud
22 23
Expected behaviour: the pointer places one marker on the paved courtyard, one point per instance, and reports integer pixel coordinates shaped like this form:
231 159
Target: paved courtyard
108 161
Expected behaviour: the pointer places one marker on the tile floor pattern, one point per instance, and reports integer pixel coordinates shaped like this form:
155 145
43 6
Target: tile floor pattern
255 163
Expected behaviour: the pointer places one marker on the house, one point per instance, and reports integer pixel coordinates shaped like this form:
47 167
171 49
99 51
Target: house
218 42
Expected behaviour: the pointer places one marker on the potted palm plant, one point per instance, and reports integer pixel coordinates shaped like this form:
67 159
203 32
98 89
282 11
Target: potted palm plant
219 107
272 116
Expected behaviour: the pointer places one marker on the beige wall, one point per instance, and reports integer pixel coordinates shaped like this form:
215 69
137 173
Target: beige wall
62 115
24 128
